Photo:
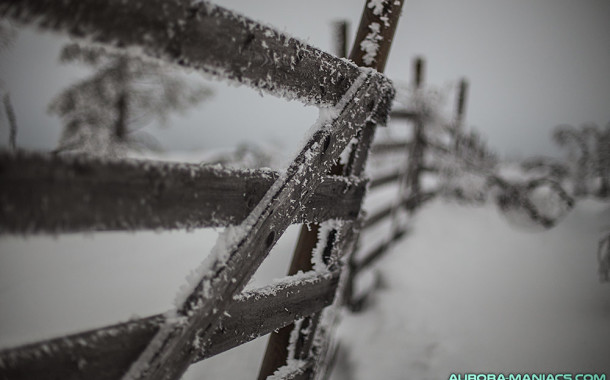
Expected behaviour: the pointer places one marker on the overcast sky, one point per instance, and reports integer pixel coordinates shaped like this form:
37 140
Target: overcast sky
532 64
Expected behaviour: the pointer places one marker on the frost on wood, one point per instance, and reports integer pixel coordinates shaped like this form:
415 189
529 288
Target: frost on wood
377 6
198 35
322 256
241 250
371 43
291 370
44 193
107 352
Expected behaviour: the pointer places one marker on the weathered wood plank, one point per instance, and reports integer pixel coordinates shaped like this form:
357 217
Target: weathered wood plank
106 353
44 193
199 35
404 114
241 250
384 180
377 216
388 147
377 252
410 203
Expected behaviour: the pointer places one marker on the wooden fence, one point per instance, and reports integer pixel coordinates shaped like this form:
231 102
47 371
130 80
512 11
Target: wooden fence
406 178
42 193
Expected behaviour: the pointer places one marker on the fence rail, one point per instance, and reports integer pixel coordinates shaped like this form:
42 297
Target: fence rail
407 179
200 35
45 193
106 353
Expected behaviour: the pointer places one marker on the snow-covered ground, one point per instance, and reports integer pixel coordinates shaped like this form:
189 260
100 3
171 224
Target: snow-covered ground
466 291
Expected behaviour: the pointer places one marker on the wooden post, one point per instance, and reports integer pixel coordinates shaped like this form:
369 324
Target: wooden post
275 357
418 72
340 31
416 153
276 353
277 346
460 111
12 122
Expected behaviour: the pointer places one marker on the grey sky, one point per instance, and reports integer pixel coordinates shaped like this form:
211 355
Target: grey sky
531 65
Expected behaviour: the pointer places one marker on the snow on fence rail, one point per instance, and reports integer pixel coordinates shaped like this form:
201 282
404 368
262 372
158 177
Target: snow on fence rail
106 353
50 193
200 35
45 193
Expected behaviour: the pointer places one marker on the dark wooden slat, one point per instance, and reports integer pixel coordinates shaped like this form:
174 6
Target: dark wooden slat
376 253
436 146
106 353
404 114
409 204
198 35
384 180
429 169
44 193
377 217
388 147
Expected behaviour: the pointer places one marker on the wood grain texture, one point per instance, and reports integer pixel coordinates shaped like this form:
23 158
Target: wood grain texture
106 353
198 35
52 194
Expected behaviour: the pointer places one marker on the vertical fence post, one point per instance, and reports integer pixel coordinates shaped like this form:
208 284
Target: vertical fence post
276 353
387 20
416 152
340 33
460 110
12 122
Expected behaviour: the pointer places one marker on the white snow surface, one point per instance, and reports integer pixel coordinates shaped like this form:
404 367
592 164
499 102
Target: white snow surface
466 293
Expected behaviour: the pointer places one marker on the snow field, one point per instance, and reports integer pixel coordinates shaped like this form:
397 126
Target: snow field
466 292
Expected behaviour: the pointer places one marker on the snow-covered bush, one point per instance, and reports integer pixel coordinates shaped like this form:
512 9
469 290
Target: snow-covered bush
589 157
539 202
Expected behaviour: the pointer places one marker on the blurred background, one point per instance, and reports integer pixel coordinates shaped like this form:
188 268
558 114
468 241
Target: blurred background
531 64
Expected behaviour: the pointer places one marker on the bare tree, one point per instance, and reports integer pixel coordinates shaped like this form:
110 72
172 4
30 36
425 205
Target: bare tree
103 112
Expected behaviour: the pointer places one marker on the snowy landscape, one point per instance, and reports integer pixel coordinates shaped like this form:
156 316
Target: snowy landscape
503 267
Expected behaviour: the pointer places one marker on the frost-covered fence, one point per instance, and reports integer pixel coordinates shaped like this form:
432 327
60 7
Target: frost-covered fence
419 154
46 193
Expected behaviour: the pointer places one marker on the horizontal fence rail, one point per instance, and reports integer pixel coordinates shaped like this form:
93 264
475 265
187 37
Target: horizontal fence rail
405 114
384 179
44 193
390 146
200 35
106 353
